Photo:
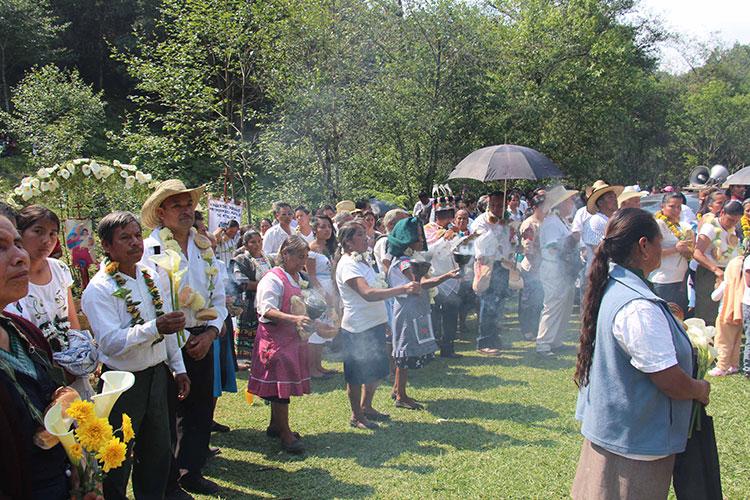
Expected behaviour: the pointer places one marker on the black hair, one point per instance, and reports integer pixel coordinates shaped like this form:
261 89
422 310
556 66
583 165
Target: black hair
331 241
28 216
111 222
8 212
733 208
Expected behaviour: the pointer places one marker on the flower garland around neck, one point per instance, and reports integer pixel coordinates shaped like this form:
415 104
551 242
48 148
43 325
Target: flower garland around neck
195 300
361 257
745 221
675 228
113 270
723 258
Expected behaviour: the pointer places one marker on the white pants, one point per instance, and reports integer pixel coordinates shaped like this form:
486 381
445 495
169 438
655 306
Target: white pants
559 292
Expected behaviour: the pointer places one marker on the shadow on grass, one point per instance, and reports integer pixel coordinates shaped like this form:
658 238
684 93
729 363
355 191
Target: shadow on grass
518 356
440 374
473 408
303 483
377 448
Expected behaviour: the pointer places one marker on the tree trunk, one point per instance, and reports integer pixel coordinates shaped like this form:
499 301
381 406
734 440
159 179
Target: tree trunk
6 98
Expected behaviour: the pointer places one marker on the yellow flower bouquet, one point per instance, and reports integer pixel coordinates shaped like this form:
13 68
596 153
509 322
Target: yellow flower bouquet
83 428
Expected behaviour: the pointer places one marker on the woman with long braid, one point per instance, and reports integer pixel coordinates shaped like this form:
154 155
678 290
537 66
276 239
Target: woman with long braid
633 370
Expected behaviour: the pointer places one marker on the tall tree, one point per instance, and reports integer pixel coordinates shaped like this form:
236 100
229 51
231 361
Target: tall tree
28 35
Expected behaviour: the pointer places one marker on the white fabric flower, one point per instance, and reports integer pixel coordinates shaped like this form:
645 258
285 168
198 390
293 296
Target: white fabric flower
123 174
42 173
64 173
86 169
129 182
165 234
95 168
54 185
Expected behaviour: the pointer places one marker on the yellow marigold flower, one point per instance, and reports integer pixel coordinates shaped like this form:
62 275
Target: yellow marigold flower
94 434
82 411
127 428
112 454
111 267
76 452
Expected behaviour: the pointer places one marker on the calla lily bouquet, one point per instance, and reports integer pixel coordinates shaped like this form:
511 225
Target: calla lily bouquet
702 338
170 262
83 429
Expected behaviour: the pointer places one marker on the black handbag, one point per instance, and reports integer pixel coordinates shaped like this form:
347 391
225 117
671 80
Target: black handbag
696 474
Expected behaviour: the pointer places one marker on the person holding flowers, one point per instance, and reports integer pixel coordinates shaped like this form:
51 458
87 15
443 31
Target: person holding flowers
185 264
135 330
28 384
717 244
633 370
677 246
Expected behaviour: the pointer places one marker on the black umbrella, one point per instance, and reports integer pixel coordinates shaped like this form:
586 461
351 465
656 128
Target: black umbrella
504 162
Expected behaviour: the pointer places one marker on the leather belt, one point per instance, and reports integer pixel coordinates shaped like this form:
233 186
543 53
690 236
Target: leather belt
197 330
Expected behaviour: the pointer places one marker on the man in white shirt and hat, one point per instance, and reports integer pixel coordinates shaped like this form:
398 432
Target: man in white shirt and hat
630 197
601 204
170 212
135 330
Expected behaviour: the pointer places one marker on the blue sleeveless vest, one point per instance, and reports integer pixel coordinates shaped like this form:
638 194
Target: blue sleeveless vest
621 410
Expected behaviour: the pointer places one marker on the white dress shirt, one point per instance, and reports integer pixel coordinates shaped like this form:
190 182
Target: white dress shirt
502 232
121 346
593 234
273 239
195 278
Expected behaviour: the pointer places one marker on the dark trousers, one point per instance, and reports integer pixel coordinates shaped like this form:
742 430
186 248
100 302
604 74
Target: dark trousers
174 469
445 320
492 308
146 405
195 413
530 303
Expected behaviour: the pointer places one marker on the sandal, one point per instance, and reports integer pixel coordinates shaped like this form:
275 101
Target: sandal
376 416
408 405
273 433
358 424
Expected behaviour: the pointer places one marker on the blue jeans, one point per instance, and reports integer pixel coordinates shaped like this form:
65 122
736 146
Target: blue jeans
746 326
492 308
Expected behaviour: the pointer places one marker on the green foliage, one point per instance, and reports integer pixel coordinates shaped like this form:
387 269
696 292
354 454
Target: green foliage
55 115
28 32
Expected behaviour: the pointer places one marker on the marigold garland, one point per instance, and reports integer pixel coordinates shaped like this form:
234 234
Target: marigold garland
124 293
745 221
671 225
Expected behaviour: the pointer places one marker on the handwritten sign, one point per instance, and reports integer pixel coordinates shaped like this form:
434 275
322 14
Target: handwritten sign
221 212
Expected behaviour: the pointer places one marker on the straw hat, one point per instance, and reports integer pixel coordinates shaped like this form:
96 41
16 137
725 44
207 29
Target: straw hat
345 206
163 191
599 189
628 193
555 196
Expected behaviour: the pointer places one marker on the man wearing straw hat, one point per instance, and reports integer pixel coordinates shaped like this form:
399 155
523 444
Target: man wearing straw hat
559 268
630 197
601 204
170 212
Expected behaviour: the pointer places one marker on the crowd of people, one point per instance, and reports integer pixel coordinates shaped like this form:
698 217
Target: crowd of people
388 291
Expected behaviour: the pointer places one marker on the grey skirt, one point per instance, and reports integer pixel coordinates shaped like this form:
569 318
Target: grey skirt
603 475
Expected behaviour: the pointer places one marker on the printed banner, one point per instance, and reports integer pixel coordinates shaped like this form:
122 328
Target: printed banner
221 212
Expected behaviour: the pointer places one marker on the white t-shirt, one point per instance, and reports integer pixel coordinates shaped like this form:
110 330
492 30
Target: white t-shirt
379 252
673 267
746 293
709 230
643 332
49 302
309 238
269 293
593 234
359 314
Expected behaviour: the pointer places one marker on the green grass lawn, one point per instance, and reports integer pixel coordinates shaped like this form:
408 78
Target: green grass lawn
491 428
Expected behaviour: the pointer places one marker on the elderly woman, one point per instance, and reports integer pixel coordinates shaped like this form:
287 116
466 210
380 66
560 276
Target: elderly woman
633 370
279 367
676 251
413 337
320 273
558 270
363 324
26 387
247 270
49 302
716 245
380 251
